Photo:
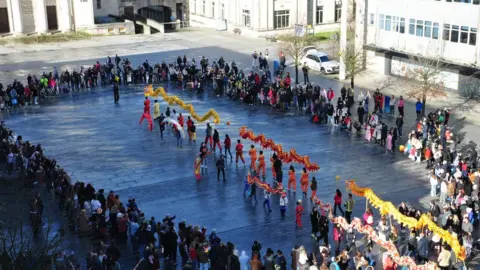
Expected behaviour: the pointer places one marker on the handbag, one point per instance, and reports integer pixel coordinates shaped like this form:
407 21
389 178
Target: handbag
14 101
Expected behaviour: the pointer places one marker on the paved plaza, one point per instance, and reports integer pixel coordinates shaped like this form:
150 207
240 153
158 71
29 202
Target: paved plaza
103 144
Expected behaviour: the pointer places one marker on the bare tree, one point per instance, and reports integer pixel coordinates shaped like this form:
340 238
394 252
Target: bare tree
353 60
429 83
292 46
21 246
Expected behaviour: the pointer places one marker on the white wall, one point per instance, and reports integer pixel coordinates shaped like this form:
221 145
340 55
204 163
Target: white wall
40 16
442 12
261 13
83 13
63 15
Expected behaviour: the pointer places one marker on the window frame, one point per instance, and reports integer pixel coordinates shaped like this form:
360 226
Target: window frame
213 9
419 28
381 21
319 15
99 4
338 12
455 31
427 32
281 19
472 32
411 27
245 16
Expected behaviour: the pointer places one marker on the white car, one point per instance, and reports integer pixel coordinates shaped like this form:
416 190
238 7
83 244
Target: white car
319 61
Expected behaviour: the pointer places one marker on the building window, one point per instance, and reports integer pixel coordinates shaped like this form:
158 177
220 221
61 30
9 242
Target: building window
338 12
464 34
476 2
446 32
454 33
213 9
203 8
428 29
194 6
419 28
223 11
99 4
246 17
411 27
319 18
402 25
281 19
435 31
381 21
388 23
371 19
473 36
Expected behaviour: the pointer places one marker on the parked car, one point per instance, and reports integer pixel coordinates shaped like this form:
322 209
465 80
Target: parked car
308 49
319 61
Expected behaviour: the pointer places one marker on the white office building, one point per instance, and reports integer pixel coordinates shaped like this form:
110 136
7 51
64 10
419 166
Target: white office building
391 30
265 17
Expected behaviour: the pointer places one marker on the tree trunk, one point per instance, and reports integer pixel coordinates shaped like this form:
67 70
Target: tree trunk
352 82
424 104
296 73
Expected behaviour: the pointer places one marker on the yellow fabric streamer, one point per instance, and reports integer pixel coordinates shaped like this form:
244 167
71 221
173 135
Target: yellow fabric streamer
387 208
149 92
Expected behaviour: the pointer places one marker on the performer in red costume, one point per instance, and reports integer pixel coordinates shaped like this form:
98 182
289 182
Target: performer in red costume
146 114
298 214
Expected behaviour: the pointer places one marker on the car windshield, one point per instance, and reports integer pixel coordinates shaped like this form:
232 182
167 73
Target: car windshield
324 59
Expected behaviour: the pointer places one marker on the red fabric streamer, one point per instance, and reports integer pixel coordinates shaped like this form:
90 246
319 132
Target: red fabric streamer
287 157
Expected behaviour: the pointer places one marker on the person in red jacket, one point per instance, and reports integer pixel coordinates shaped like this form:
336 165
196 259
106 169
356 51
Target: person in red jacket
330 94
189 127
337 200
180 120
228 144
288 80
146 114
298 214
239 152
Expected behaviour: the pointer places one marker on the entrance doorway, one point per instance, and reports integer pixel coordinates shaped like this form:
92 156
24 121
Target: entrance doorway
4 24
179 12
52 18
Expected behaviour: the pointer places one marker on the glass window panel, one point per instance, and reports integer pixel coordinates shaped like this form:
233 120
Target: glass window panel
473 39
476 2
435 31
454 34
419 29
428 29
411 28
446 32
388 23
382 21
402 25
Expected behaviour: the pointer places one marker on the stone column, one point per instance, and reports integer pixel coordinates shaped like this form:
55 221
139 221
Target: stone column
40 14
15 16
343 38
63 15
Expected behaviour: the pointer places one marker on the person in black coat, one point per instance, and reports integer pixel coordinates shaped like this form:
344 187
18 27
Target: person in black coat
361 113
314 219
